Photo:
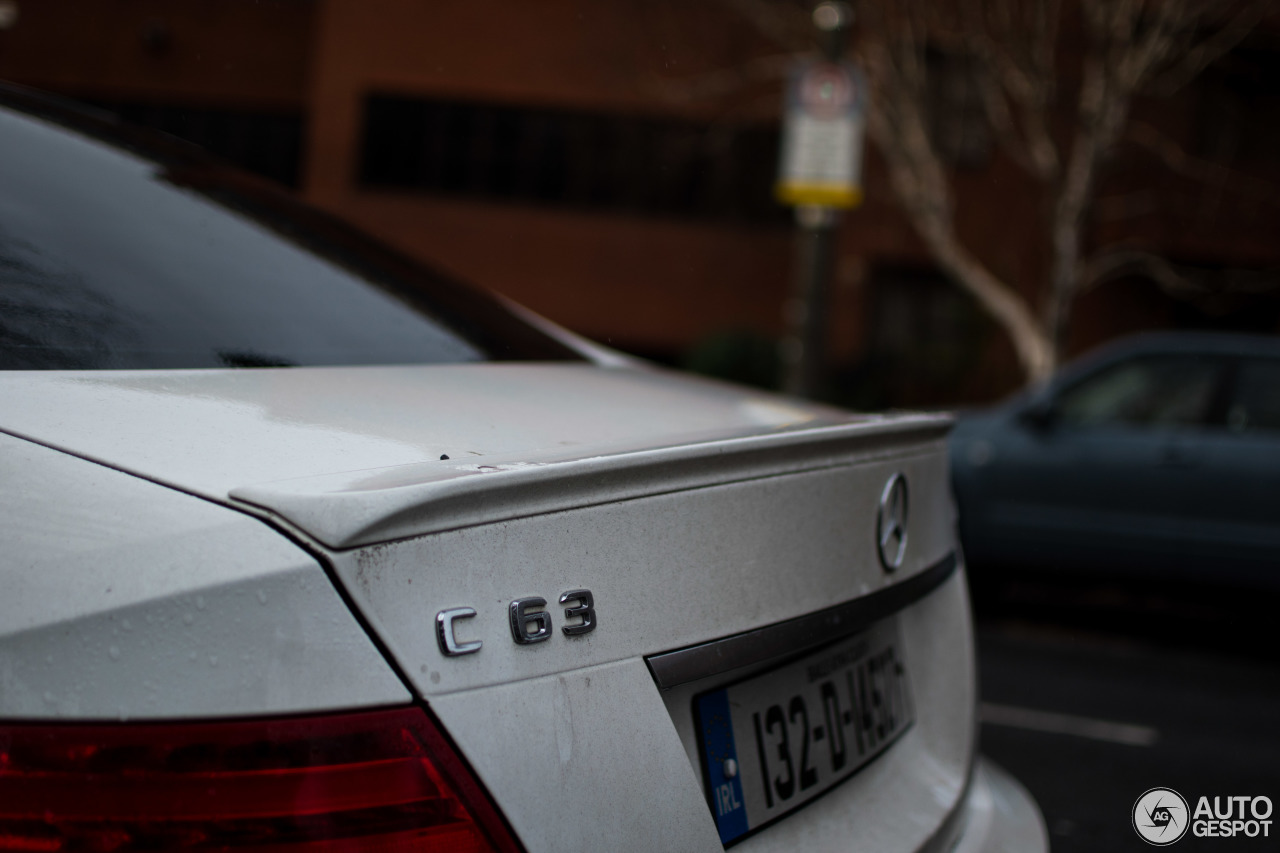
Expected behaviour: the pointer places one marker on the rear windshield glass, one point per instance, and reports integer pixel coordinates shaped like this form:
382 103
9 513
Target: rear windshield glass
115 258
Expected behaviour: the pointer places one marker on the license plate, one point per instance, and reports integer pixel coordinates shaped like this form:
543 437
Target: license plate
777 740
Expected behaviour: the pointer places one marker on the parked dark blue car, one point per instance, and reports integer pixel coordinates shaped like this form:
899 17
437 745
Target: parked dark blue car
1158 456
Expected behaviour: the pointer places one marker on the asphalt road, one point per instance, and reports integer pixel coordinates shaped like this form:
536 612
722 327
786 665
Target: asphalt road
1093 695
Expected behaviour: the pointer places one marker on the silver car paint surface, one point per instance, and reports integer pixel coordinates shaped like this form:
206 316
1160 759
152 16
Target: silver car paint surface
126 600
666 571
211 431
1000 816
603 762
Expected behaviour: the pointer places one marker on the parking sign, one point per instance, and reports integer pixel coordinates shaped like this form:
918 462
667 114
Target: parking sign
822 137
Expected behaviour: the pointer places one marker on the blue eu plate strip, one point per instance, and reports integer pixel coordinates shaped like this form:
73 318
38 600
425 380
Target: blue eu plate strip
727 803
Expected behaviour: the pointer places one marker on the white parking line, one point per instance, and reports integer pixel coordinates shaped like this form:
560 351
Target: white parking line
1068 724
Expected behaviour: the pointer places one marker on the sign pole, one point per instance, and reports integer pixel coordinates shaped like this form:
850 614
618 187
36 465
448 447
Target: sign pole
805 344
819 175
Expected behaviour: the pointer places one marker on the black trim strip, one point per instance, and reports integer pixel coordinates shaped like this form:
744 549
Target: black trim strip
671 669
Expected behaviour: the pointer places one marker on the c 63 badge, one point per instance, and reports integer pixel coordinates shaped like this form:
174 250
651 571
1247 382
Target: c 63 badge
529 619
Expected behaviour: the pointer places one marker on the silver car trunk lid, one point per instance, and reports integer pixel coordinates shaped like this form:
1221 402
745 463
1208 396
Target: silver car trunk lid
677 545
689 553
693 513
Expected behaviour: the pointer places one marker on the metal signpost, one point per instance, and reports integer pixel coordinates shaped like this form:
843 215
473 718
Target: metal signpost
819 174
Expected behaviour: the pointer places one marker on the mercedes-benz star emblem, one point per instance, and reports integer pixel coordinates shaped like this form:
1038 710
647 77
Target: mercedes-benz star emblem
891 523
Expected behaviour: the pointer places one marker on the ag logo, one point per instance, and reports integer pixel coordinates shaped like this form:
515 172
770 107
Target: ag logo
1160 816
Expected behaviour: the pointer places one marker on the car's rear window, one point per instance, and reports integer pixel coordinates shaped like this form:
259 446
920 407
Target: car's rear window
111 258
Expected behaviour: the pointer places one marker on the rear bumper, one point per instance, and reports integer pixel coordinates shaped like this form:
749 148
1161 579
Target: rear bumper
999 816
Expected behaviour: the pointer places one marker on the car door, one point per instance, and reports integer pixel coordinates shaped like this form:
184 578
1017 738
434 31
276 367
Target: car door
1234 517
1108 476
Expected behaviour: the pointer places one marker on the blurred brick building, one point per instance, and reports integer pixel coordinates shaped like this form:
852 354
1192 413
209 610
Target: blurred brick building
609 163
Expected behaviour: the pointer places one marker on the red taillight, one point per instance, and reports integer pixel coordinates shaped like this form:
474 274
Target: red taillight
384 781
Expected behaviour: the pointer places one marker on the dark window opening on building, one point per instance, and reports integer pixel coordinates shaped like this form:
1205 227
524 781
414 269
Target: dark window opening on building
958 124
1239 121
596 161
269 144
925 341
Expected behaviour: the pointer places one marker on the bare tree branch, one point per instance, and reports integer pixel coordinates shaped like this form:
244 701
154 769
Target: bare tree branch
1117 262
899 127
1177 160
1114 263
1200 56
1016 44
1001 118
